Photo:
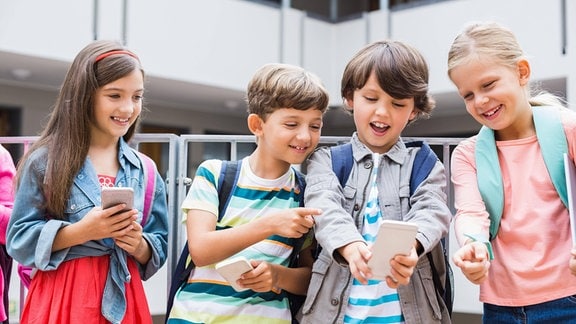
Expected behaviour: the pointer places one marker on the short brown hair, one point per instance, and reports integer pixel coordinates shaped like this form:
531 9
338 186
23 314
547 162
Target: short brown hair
401 71
277 85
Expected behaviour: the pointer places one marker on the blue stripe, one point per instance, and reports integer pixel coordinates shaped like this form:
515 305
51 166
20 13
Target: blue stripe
204 172
370 320
264 196
228 291
179 321
373 302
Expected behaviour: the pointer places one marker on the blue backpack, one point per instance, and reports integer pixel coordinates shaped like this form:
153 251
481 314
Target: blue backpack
342 162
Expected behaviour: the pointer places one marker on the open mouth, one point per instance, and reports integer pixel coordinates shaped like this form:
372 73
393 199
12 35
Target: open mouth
298 148
121 120
379 127
492 112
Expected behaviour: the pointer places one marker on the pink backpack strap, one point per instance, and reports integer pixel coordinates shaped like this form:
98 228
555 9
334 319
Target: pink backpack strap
150 181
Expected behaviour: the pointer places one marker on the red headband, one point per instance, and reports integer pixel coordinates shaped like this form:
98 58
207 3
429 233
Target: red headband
105 55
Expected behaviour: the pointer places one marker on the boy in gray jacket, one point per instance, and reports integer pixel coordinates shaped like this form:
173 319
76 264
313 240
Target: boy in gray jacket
385 87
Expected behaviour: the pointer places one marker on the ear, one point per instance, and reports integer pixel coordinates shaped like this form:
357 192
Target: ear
255 124
413 114
523 72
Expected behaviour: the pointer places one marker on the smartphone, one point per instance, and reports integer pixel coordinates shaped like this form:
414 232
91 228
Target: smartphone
231 270
394 237
112 196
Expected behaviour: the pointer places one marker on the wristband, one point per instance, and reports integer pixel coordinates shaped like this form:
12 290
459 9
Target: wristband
486 242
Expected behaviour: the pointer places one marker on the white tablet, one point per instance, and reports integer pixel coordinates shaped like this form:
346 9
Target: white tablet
232 269
394 237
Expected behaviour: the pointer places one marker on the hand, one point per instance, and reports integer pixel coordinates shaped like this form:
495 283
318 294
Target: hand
473 260
402 268
108 223
262 279
293 222
131 241
357 254
573 261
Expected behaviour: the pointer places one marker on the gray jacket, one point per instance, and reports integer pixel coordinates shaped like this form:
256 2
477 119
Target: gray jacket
342 219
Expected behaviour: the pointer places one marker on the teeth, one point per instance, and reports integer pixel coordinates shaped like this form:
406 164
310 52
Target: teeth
120 119
299 147
490 113
379 125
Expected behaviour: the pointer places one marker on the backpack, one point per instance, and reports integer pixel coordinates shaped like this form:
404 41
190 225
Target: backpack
342 162
227 181
26 273
553 145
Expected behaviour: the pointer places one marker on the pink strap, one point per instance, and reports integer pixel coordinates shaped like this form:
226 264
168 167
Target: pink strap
150 180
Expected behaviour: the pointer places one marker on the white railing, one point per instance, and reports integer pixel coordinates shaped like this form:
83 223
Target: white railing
179 171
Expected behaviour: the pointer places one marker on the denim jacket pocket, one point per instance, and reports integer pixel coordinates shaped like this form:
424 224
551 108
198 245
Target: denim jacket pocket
76 205
319 270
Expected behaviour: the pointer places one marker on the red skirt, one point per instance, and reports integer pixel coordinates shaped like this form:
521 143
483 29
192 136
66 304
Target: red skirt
72 294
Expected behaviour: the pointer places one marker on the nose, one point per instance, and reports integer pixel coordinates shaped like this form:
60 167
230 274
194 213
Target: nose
381 109
481 100
128 105
304 134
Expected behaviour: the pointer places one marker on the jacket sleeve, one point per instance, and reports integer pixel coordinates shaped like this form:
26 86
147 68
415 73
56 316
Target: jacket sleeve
335 227
429 208
30 235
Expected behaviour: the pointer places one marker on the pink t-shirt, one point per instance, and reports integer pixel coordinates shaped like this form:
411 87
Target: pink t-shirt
532 248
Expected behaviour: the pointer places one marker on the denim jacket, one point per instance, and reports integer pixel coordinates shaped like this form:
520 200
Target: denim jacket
341 223
31 232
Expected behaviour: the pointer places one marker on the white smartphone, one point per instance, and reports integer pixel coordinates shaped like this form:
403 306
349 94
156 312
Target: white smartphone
231 269
112 196
394 237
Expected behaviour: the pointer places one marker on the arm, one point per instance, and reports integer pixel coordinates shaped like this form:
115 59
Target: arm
429 209
268 276
149 245
471 215
201 207
335 229
7 172
203 236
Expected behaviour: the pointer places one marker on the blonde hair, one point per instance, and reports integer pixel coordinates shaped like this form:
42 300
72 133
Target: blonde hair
498 43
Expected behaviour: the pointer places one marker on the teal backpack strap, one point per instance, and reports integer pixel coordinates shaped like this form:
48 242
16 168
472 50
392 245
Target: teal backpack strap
489 177
553 145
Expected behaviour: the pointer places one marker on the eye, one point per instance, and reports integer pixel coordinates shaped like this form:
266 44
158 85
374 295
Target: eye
114 95
316 127
370 99
489 84
468 96
291 125
398 104
138 98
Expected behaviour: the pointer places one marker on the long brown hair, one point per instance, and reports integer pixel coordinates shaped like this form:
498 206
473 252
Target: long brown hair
67 134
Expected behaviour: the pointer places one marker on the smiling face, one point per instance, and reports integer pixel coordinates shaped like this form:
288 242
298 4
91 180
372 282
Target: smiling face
496 95
287 135
117 105
379 118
